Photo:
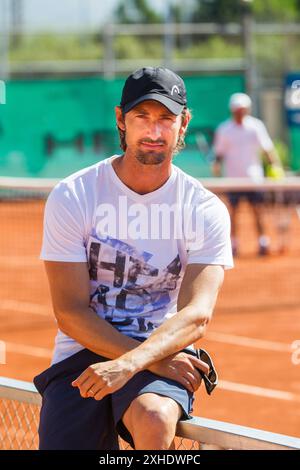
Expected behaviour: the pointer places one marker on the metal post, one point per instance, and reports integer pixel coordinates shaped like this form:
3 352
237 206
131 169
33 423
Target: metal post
250 71
109 56
169 36
4 41
16 22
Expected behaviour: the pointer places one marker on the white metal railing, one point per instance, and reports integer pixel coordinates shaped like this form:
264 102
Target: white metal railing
111 65
19 416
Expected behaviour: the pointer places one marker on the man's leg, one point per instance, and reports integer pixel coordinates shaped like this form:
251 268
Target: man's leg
151 406
256 201
68 421
257 209
151 420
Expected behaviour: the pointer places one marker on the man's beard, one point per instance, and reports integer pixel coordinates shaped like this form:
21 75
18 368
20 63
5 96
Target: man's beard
150 158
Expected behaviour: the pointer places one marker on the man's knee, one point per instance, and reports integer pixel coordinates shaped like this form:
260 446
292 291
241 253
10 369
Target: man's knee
153 419
148 413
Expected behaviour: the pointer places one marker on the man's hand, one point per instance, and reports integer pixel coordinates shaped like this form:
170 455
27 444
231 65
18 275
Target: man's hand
103 378
182 368
217 166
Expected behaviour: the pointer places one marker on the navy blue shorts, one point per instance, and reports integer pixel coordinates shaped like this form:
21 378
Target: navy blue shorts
70 422
253 197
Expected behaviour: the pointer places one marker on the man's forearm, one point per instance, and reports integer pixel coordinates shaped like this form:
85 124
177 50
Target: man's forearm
95 333
183 329
99 336
273 157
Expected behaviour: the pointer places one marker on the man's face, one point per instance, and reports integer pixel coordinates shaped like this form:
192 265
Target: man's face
240 113
152 132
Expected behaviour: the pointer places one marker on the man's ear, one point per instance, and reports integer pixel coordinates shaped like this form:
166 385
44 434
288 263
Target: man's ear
185 122
120 118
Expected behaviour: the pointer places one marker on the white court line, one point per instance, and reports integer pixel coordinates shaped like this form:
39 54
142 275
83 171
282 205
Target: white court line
28 350
248 342
45 310
20 306
223 384
258 391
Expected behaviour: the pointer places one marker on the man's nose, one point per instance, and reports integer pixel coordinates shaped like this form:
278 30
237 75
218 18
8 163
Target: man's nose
154 130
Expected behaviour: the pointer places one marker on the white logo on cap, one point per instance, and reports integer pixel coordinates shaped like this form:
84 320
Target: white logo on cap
175 89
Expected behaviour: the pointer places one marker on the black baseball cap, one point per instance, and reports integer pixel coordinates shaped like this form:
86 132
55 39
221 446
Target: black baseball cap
154 83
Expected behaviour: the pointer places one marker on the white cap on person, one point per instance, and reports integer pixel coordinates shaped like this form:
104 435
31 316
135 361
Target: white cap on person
239 100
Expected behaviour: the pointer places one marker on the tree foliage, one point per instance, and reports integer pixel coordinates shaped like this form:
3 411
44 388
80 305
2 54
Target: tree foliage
136 11
49 46
220 11
276 10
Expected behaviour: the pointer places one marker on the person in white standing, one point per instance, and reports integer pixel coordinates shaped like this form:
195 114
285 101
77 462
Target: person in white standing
239 144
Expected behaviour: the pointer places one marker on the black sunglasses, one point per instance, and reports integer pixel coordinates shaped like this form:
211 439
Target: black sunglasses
211 379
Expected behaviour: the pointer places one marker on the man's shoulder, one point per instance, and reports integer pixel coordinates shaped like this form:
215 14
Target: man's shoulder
193 186
254 122
79 182
85 176
88 172
195 195
225 126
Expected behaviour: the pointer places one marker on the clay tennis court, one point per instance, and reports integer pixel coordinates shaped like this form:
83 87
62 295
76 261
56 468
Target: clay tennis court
256 321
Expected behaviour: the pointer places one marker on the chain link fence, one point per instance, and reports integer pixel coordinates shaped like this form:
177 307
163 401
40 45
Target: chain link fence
18 425
19 418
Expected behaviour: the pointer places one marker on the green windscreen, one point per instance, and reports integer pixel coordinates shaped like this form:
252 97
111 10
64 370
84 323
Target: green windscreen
294 135
51 128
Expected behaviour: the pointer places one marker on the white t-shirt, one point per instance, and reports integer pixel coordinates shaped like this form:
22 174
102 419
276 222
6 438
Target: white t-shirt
241 145
137 246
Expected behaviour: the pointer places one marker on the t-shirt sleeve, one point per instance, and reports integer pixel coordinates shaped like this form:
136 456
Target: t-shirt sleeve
264 139
63 235
211 243
219 144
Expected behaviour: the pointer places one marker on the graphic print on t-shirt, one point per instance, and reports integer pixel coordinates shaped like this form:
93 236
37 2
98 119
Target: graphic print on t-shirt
126 289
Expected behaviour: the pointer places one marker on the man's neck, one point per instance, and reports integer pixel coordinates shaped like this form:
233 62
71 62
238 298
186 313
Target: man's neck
141 178
239 121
